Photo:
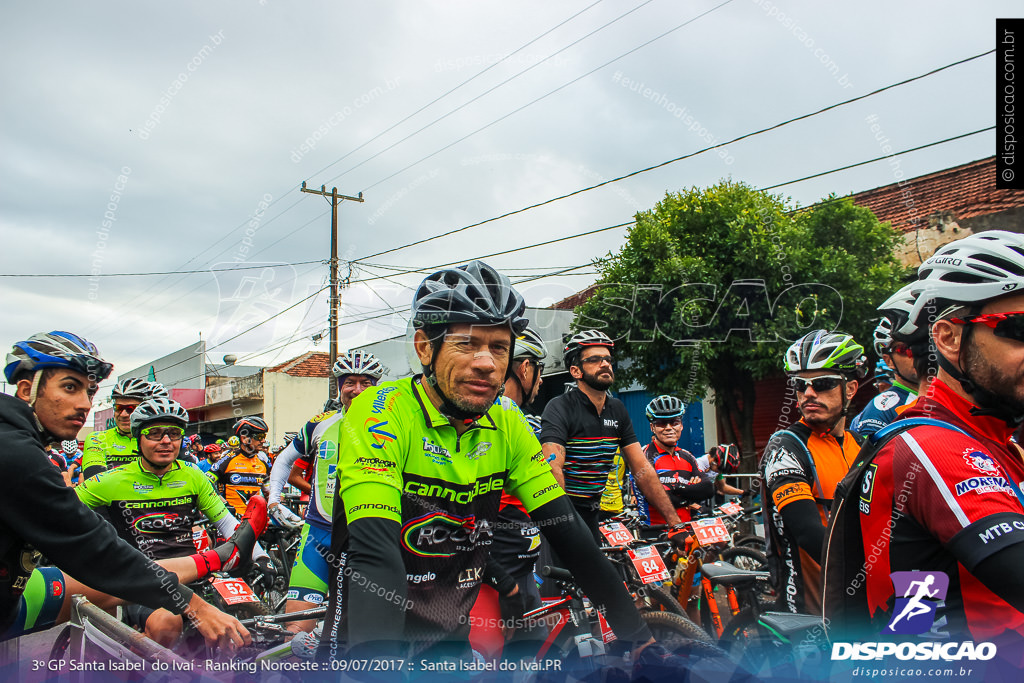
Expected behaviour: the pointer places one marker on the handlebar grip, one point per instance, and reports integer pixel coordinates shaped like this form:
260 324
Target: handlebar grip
556 573
614 549
656 527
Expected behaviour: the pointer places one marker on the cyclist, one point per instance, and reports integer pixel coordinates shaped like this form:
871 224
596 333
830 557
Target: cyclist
55 376
212 454
73 454
803 463
423 463
354 372
721 460
115 446
898 353
154 502
241 475
517 539
582 429
948 501
883 378
677 469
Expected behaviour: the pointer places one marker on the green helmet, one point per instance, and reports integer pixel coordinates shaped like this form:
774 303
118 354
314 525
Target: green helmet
824 350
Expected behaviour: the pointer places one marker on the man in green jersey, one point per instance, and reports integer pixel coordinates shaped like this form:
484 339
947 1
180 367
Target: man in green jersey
154 501
115 446
422 464
355 372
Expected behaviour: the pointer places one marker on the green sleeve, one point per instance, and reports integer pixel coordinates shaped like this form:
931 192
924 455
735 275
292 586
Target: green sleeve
210 504
372 457
530 477
94 454
94 492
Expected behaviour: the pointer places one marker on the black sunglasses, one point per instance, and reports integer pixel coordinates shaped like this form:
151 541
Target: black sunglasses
1005 325
819 384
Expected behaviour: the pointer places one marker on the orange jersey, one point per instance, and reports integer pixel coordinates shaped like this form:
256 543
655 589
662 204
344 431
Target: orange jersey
239 476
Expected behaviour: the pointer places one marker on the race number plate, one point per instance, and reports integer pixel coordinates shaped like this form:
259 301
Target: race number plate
200 539
649 564
616 533
234 591
709 531
731 508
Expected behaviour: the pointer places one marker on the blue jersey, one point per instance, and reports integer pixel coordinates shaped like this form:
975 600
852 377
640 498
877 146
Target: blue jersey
882 410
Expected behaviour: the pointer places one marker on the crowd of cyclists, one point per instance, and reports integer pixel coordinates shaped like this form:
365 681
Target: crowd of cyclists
430 497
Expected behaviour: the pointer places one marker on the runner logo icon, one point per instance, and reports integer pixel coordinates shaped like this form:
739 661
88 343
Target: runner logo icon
918 594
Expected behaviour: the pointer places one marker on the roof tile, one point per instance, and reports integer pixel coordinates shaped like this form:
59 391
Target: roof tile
309 364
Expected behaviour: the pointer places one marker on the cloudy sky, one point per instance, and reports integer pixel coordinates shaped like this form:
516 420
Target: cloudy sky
144 137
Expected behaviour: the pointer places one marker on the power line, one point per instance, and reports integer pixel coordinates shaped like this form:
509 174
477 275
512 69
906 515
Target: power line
167 272
546 95
676 159
484 94
450 91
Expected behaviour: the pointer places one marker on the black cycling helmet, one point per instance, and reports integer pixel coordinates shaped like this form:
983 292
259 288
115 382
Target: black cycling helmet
665 407
474 293
575 344
250 425
724 458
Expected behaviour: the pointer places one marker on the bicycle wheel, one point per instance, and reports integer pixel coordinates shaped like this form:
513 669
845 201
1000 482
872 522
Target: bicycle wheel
752 560
657 599
751 541
752 645
673 631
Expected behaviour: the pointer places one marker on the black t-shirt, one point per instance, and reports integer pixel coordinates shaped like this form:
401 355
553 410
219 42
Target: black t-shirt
590 440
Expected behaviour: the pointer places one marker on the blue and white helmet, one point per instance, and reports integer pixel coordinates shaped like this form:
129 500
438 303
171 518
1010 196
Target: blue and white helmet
57 350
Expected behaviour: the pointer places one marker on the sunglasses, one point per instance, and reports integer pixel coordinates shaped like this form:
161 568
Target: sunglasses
900 349
158 433
125 408
598 360
1005 325
819 384
665 424
254 436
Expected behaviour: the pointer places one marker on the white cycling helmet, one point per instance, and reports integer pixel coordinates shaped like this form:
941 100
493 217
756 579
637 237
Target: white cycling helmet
824 350
529 345
133 387
358 363
971 270
162 410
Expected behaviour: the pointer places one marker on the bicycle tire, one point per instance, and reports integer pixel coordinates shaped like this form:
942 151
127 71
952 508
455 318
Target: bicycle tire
673 632
751 541
749 643
744 557
60 644
657 599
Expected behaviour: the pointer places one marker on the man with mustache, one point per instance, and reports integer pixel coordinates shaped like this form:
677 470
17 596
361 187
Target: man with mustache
582 429
803 463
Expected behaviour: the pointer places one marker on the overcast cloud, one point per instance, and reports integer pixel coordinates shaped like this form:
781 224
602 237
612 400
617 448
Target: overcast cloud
178 123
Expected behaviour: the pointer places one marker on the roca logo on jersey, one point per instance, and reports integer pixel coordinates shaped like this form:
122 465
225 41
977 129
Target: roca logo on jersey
442 534
158 522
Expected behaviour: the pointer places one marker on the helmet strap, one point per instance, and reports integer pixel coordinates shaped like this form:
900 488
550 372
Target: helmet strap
986 402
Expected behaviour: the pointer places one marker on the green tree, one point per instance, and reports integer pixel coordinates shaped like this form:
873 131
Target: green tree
714 284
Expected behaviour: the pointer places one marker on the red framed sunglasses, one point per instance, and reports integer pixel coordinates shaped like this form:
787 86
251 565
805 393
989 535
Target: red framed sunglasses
1005 325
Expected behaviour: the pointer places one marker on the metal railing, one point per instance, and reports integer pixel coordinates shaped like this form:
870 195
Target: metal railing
97 636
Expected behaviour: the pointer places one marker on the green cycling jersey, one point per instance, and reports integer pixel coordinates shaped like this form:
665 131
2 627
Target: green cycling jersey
108 449
401 460
155 514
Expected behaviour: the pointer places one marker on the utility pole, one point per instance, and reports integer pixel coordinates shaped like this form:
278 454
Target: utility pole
334 199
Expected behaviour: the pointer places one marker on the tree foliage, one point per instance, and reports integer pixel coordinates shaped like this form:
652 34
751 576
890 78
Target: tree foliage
713 285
